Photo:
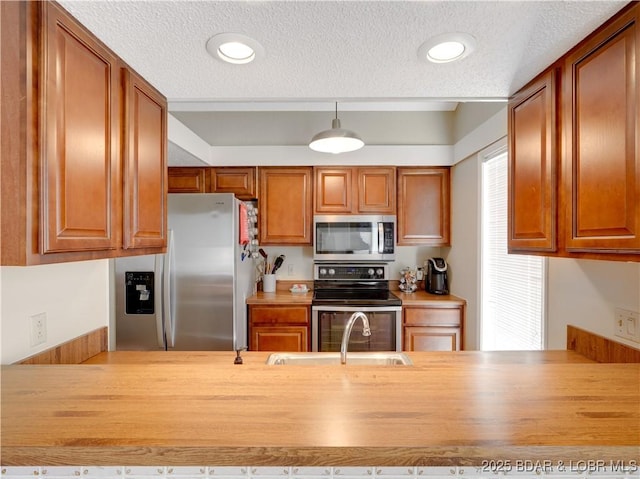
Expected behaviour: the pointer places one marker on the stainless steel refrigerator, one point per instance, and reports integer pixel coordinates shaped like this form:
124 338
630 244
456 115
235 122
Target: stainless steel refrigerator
193 297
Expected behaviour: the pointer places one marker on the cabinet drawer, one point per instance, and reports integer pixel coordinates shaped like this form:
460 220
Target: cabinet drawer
279 314
432 317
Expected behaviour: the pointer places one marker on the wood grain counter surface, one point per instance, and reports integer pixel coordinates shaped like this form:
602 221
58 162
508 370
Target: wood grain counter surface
179 408
281 297
417 298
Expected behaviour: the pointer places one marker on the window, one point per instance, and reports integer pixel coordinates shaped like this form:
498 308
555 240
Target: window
512 313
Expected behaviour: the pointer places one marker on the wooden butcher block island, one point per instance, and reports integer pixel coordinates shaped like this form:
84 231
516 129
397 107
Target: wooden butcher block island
179 408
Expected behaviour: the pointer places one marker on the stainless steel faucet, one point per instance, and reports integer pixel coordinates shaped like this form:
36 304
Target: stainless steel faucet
366 331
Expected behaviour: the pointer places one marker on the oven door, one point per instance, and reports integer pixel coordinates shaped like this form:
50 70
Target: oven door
328 323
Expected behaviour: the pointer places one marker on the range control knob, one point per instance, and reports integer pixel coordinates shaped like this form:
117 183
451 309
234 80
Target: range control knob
323 271
332 271
380 272
370 271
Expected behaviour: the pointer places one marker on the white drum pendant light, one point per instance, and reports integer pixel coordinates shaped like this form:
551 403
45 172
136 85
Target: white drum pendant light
336 140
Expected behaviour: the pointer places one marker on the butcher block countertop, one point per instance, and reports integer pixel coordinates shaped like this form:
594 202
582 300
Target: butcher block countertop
194 408
417 298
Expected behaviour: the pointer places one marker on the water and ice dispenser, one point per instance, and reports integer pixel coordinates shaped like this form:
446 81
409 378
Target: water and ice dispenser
139 292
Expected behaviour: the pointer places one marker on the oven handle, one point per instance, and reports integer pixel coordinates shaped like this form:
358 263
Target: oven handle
364 309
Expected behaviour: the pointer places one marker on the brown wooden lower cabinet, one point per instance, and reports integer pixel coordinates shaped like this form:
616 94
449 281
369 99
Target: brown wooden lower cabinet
429 338
279 338
279 328
429 328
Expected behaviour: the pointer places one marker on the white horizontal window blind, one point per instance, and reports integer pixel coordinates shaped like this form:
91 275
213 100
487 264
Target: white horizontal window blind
512 285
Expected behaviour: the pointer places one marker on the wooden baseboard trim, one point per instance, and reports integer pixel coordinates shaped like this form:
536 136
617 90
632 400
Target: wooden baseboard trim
74 351
599 348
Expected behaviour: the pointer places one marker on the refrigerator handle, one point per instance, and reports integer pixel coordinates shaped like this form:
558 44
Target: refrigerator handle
167 293
157 268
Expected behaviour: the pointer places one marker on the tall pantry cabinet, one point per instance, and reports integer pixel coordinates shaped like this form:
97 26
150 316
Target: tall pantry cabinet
83 144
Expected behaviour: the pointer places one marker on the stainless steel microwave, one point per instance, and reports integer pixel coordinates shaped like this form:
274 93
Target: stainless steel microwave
354 237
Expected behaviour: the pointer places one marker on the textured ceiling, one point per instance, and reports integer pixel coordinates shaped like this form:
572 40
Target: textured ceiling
360 53
339 50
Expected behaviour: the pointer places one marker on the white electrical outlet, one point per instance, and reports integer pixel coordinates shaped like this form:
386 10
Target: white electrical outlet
38 329
627 324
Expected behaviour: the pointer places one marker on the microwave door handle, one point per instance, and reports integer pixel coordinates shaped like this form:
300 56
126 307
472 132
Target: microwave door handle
380 237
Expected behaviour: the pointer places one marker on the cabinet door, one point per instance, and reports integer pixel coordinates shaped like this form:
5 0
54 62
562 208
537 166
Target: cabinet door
334 190
285 205
532 167
80 154
377 190
188 180
145 164
418 338
423 206
279 338
602 171
237 180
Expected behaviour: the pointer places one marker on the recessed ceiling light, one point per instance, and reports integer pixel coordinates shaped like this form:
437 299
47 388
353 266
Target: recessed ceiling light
447 47
234 48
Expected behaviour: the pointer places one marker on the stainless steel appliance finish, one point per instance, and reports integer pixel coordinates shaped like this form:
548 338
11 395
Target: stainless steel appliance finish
199 287
354 237
341 289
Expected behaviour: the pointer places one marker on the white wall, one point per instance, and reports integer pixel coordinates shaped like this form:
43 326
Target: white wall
464 256
74 296
584 293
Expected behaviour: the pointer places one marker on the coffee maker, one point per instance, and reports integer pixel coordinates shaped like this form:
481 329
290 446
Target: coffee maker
436 281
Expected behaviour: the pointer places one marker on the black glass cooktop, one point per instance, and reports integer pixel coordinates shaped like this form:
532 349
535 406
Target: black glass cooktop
359 297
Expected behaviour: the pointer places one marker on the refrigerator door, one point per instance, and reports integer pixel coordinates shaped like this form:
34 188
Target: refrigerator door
203 271
139 303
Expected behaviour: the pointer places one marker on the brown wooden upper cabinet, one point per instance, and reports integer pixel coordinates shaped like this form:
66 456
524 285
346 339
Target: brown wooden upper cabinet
424 206
574 167
285 205
241 181
355 190
95 185
533 163
600 123
189 179
238 180
145 164
80 124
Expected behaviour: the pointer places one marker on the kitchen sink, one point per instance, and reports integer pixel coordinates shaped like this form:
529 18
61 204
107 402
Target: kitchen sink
353 358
